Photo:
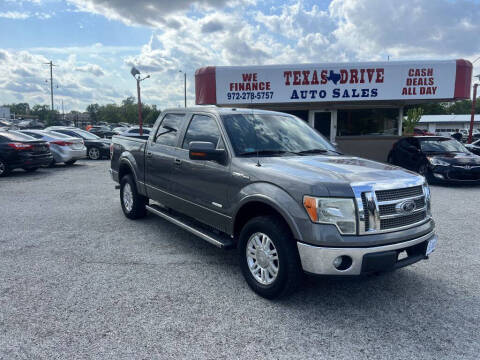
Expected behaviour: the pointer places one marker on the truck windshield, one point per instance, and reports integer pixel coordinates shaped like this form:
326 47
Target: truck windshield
272 134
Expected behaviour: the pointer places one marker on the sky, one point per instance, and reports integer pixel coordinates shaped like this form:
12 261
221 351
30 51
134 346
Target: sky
94 43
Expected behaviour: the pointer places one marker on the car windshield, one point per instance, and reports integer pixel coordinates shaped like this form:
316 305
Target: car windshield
57 135
17 136
442 146
271 134
86 135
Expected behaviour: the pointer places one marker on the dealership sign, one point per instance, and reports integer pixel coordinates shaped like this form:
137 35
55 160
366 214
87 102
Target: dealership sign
330 82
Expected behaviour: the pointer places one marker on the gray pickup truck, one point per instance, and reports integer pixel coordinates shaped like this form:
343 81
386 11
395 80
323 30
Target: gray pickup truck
274 188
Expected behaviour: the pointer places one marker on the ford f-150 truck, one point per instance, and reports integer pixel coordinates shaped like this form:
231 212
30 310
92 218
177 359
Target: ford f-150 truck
268 184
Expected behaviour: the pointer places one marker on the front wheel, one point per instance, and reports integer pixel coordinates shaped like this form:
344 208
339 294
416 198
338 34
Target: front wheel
4 170
133 204
93 153
269 257
71 162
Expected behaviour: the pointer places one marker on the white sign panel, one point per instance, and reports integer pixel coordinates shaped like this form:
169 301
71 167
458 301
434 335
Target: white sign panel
335 82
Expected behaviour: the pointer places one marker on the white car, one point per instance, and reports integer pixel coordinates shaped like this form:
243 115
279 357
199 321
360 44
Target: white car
135 131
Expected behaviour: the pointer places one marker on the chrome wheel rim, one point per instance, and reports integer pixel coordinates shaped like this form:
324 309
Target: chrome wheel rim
262 258
127 197
94 153
2 167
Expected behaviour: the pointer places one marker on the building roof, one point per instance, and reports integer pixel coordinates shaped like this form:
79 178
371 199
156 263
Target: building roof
453 118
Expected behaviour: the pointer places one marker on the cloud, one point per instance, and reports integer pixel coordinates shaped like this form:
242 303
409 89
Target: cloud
91 68
143 12
16 15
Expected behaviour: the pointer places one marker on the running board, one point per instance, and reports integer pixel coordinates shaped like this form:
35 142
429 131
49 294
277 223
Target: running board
221 241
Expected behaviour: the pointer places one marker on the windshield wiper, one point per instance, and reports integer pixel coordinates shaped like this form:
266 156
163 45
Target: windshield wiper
267 152
318 151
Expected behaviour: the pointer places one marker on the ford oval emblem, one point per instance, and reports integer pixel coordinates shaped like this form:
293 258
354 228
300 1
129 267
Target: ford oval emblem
406 207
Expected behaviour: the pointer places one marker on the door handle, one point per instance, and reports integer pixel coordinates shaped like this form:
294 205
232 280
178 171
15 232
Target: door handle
149 154
178 161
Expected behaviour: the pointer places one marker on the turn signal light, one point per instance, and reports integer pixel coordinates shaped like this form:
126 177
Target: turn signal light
310 204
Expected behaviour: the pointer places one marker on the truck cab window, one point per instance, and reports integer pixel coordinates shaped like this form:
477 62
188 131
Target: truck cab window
168 131
203 128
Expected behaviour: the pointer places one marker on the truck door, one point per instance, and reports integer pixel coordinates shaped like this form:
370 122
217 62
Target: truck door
160 154
202 185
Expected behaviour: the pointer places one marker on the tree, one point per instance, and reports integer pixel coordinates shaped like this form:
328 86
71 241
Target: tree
413 117
92 110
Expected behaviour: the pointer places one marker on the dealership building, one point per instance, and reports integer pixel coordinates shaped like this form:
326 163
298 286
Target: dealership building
359 106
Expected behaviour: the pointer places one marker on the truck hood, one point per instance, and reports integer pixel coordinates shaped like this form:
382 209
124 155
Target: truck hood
347 169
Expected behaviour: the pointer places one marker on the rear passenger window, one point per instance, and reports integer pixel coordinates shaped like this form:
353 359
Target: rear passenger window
168 131
202 128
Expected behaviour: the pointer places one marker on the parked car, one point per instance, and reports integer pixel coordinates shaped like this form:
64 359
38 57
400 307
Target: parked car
474 147
135 131
119 130
97 148
18 150
102 131
437 158
270 185
421 132
64 149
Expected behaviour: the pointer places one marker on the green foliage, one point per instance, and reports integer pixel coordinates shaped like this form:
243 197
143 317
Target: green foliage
127 112
413 117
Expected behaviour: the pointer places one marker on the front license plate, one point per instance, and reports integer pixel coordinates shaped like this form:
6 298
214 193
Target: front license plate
432 244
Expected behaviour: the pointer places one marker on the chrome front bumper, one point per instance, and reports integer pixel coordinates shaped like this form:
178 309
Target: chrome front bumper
319 260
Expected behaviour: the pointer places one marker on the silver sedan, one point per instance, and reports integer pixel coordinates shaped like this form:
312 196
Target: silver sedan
64 148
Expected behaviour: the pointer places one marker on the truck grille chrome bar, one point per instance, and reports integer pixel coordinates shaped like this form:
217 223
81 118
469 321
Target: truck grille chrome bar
382 209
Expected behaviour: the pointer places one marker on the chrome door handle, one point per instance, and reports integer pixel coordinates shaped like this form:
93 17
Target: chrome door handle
178 161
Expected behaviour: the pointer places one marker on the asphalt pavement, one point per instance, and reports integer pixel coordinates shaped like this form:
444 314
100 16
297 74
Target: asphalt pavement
80 281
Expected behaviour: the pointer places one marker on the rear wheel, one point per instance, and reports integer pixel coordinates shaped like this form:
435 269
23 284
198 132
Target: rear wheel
269 257
71 162
94 153
133 204
4 170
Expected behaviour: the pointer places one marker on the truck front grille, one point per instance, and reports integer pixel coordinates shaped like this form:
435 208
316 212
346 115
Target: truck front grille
389 210
401 221
396 194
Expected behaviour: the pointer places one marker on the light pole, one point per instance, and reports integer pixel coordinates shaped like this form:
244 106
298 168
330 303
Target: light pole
136 74
472 115
184 85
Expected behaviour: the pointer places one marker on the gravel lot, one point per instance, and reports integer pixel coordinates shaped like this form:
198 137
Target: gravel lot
80 281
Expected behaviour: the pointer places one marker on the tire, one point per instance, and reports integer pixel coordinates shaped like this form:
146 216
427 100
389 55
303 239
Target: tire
4 170
71 162
30 169
265 231
133 204
93 153
52 164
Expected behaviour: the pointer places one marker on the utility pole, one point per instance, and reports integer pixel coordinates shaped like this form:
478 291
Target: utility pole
136 74
472 115
185 87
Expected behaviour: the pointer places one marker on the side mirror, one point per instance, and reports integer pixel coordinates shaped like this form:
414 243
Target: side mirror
204 150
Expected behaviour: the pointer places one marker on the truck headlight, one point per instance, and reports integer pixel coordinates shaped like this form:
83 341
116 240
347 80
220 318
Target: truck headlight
437 162
337 211
428 197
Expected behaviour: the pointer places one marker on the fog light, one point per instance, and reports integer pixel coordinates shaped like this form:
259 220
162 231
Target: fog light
342 262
